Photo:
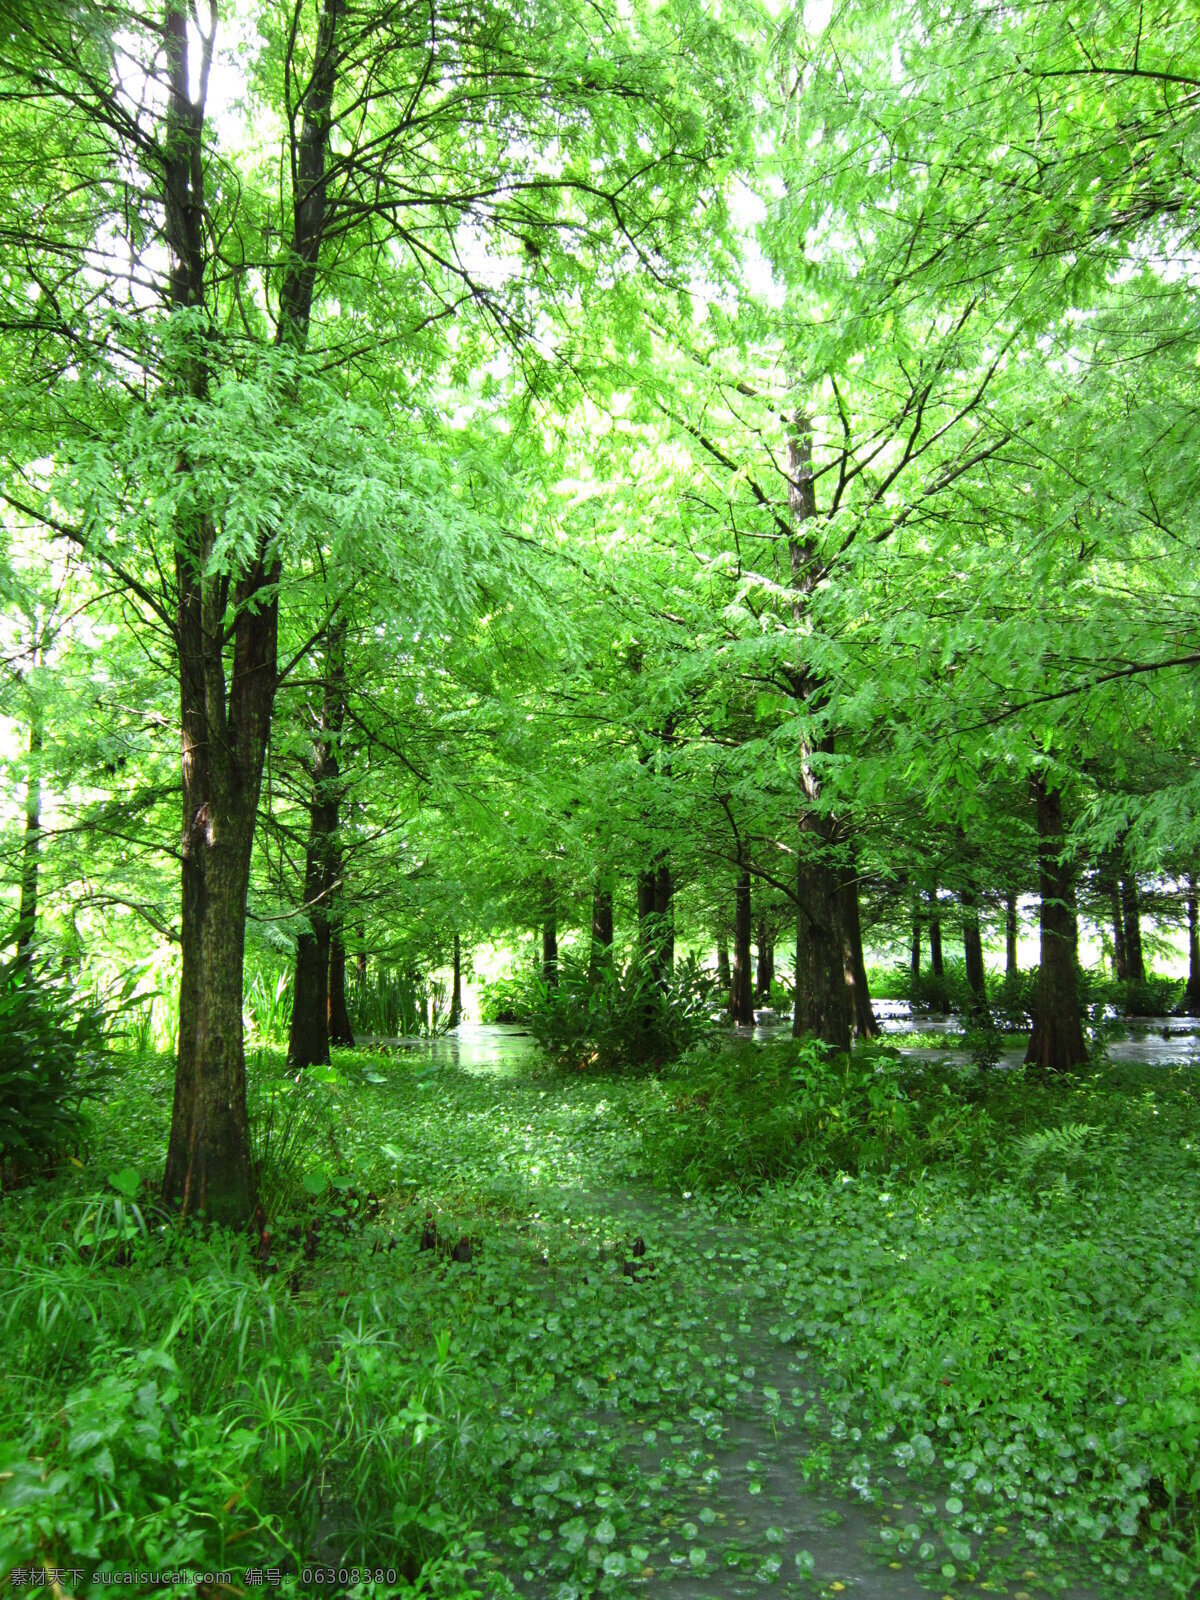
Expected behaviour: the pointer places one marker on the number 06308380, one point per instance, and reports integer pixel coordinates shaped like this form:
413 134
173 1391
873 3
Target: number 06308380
328 1577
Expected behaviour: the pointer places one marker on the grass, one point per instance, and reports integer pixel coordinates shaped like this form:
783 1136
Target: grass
974 1297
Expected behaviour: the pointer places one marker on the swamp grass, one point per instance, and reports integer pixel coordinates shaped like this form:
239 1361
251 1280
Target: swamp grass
978 1291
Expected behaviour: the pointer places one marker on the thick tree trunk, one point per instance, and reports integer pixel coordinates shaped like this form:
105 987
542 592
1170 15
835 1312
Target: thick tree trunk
973 953
724 975
1010 932
549 934
741 995
1131 916
340 1031
456 992
854 966
765 971
1057 1041
914 956
1190 1004
225 712
600 955
31 840
308 1044
822 998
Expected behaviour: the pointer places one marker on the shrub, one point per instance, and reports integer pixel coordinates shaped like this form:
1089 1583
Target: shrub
51 1060
746 1114
624 1017
510 998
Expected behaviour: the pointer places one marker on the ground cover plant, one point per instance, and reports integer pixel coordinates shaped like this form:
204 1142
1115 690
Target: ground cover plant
484 1341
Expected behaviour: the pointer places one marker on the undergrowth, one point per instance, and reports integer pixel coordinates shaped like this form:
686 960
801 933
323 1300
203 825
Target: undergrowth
466 1341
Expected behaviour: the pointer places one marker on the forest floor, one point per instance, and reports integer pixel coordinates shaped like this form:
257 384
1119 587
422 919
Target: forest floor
591 1383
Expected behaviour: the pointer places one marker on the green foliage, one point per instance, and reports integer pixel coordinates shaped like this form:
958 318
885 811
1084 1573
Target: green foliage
746 1114
291 1120
52 1044
202 1412
397 1002
623 1018
511 997
268 1004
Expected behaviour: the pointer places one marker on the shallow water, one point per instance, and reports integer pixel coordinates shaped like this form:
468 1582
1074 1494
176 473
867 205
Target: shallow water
505 1050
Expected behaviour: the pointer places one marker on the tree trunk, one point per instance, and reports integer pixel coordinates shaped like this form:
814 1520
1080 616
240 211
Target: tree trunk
1010 932
765 971
1190 1004
32 838
1056 1042
741 995
602 929
456 993
308 1044
1131 916
854 966
724 976
340 1031
664 894
549 934
647 886
914 958
337 1011
822 1000
937 964
973 954
1120 956
225 715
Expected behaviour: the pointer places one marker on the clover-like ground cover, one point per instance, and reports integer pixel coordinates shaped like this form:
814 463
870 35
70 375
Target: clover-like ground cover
948 1361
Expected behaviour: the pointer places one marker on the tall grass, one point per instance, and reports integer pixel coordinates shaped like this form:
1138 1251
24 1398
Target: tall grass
397 1002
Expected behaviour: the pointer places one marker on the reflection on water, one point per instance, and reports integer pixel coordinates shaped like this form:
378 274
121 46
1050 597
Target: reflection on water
505 1050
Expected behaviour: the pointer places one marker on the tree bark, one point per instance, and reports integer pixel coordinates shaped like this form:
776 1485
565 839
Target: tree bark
600 955
308 1044
1057 1041
1120 957
340 1031
1131 916
1010 932
822 1000
225 716
914 957
724 976
765 971
647 886
741 994
937 963
973 954
32 838
549 934
1190 1005
855 967
664 911
456 992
